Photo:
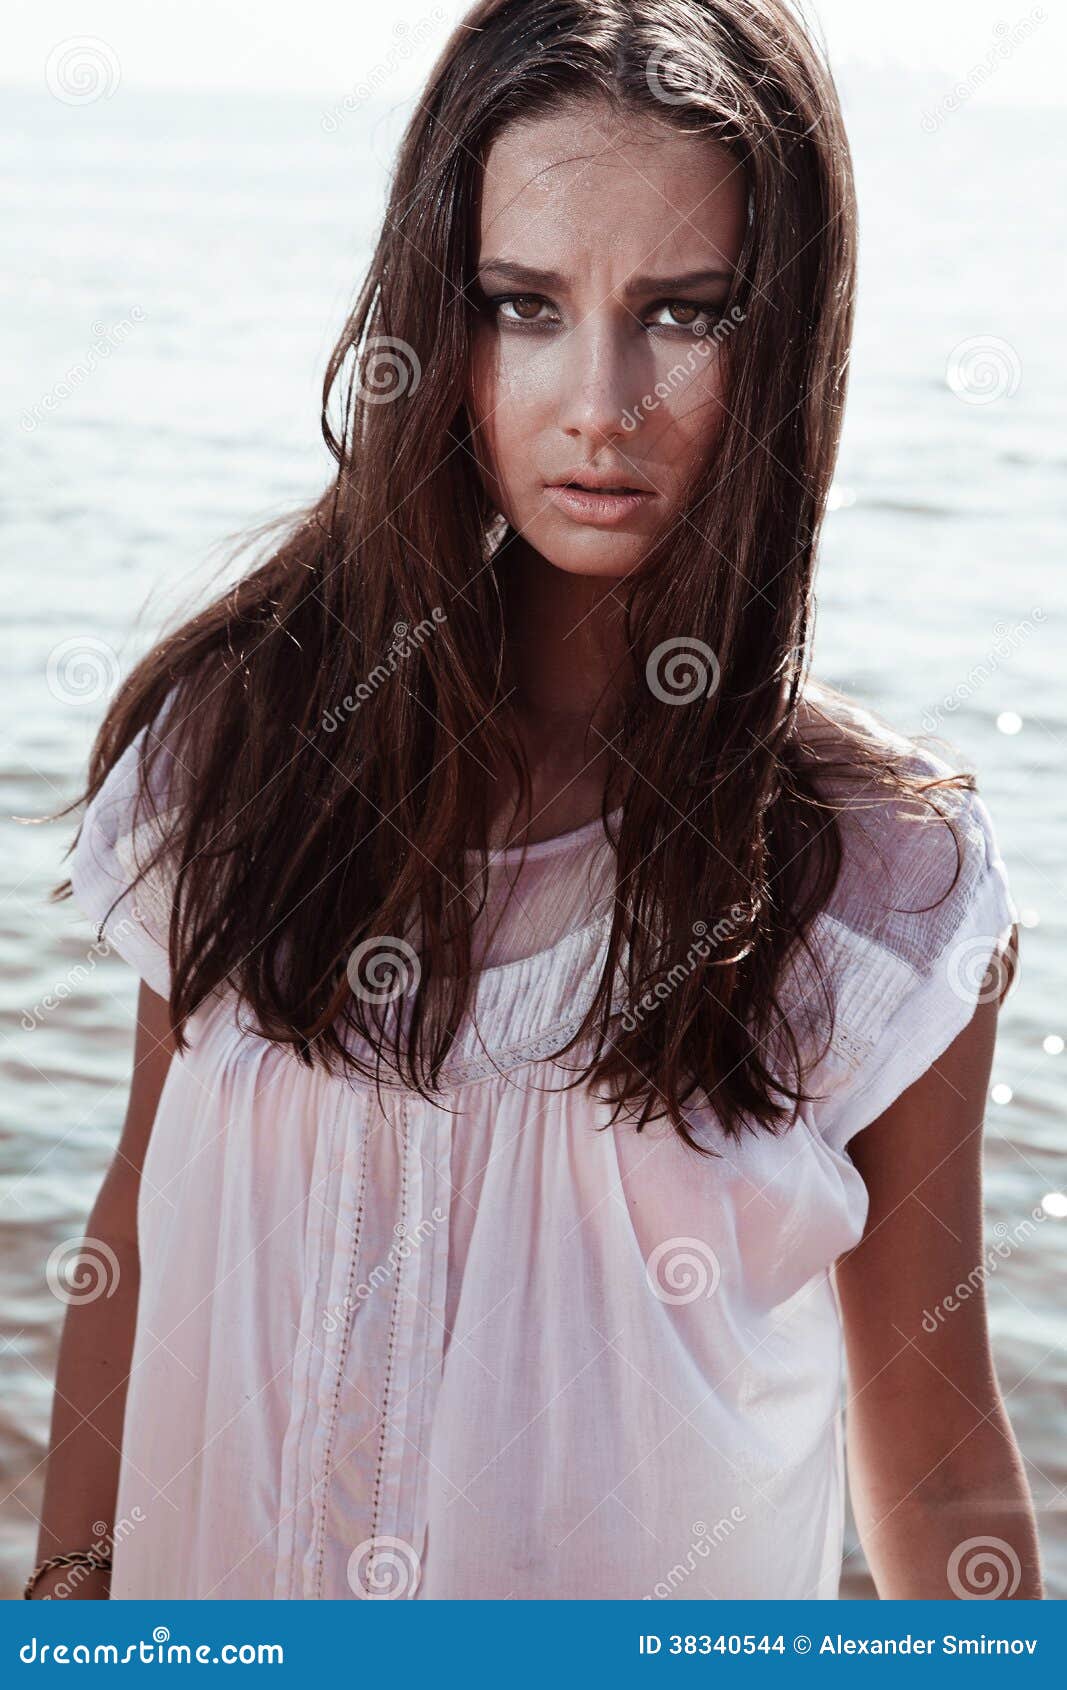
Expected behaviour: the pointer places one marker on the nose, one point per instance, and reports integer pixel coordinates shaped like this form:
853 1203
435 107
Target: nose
595 382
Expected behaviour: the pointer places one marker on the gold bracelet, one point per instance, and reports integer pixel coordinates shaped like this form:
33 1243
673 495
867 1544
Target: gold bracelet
77 1557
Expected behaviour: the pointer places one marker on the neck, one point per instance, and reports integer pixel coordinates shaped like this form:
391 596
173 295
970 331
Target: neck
567 661
566 642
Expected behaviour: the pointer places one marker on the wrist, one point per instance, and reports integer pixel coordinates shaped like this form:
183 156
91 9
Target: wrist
77 1579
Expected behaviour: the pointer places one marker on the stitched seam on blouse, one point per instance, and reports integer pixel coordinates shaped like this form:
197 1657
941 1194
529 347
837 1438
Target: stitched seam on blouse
342 1356
437 1279
512 1056
517 1055
308 1393
391 1347
851 1046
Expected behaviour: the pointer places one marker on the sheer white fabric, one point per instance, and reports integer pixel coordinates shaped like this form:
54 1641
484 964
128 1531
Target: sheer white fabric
535 898
493 1346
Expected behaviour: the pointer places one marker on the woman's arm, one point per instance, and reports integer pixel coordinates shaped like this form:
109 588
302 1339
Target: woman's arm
932 1459
94 1354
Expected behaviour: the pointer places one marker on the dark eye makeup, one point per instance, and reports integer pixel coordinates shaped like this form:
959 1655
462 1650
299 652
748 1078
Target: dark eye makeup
523 312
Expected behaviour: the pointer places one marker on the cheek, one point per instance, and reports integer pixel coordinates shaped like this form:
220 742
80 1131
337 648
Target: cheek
685 416
508 394
484 401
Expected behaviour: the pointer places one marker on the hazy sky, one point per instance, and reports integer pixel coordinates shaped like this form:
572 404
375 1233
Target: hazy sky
325 47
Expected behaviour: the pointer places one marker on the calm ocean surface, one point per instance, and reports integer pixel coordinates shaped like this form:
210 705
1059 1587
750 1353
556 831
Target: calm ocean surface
179 266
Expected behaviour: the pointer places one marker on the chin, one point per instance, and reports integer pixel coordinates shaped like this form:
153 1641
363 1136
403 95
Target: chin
598 555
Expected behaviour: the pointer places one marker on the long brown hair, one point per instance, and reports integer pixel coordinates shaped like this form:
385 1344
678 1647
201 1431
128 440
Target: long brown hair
330 799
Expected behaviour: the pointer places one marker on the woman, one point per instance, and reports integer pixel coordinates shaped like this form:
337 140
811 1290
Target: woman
564 1027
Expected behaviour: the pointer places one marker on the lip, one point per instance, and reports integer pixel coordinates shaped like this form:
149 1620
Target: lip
596 506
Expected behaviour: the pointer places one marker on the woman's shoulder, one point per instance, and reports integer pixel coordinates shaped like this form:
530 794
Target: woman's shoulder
917 929
917 838
121 867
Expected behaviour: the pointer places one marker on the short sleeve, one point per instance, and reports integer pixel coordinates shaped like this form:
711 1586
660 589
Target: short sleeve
911 971
119 836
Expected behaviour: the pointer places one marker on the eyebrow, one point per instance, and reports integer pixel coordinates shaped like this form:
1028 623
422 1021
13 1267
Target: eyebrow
543 279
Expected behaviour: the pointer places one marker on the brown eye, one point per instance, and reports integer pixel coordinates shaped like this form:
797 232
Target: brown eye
530 308
692 314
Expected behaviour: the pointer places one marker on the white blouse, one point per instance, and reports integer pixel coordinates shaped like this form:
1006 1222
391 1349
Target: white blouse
492 1347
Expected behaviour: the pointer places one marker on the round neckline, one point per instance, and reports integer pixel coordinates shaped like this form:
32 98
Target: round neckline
546 847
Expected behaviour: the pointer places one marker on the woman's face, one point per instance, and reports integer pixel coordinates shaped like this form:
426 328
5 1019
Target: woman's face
607 247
